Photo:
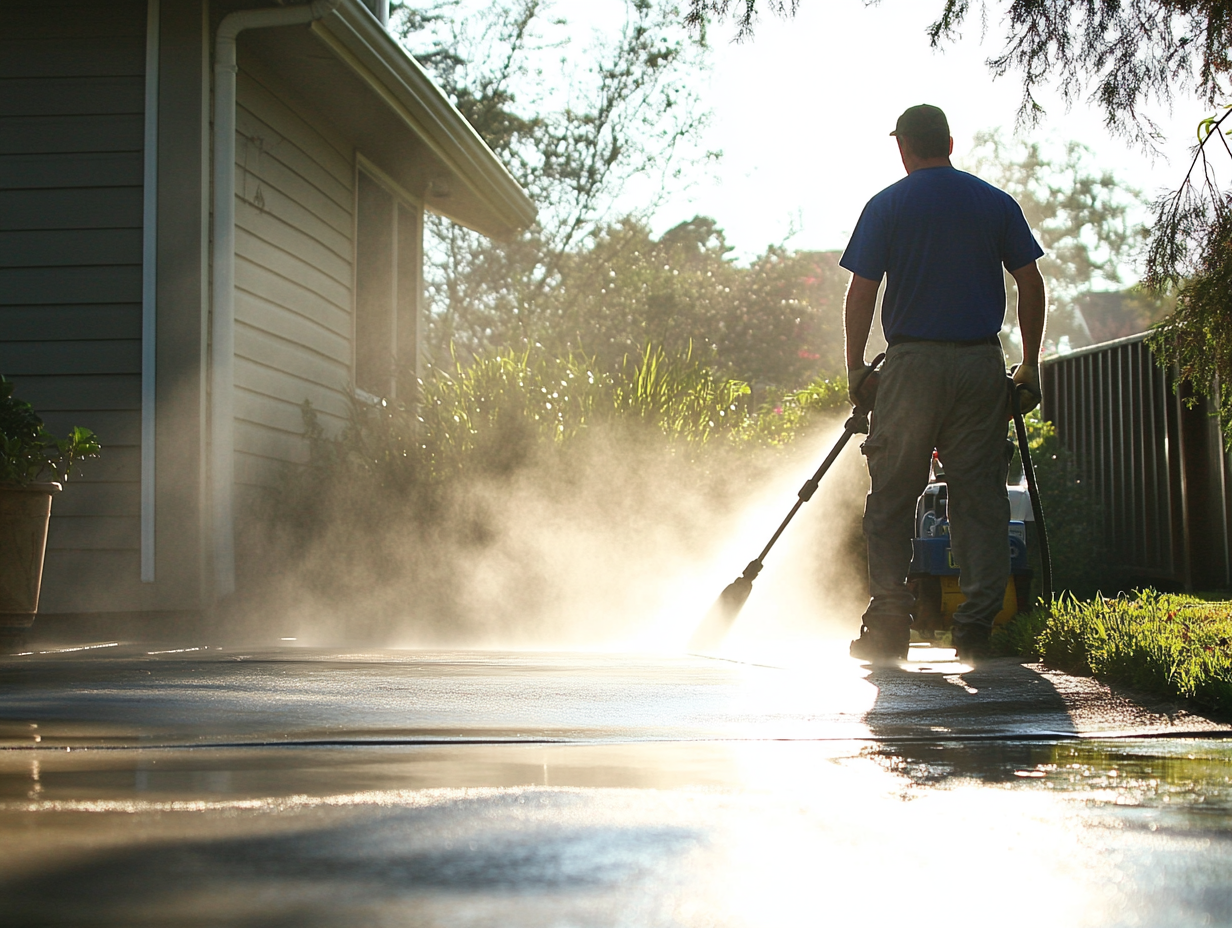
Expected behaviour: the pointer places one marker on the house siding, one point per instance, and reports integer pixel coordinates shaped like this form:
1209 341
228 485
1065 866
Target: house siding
71 117
293 276
72 127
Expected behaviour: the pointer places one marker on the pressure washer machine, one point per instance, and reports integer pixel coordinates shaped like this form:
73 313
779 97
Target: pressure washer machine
934 574
933 578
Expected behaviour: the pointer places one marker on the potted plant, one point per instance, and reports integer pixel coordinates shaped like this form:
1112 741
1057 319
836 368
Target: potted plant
29 455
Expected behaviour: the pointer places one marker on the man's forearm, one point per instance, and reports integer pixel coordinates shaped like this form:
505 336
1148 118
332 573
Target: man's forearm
1031 311
858 317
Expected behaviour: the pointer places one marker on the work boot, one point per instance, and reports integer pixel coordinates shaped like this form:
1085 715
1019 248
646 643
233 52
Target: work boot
970 640
882 639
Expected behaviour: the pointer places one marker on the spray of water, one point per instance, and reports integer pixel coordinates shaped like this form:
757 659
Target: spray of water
624 543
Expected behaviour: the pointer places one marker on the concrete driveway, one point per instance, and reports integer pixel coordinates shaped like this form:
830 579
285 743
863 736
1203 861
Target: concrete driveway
194 785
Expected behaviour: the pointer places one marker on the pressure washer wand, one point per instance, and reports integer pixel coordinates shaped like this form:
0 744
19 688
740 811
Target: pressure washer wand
857 424
727 607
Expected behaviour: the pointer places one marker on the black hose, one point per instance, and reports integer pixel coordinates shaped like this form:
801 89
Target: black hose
1028 468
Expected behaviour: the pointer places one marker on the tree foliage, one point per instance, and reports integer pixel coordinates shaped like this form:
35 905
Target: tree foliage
1192 252
776 321
744 12
1125 52
575 126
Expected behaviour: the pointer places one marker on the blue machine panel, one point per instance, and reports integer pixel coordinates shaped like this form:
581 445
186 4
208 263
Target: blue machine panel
933 555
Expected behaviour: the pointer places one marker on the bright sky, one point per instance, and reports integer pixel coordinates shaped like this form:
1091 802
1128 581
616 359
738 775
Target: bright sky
803 111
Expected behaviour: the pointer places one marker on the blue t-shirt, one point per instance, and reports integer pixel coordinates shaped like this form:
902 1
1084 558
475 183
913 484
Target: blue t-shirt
941 237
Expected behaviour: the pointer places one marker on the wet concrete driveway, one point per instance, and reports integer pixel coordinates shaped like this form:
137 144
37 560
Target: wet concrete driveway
154 785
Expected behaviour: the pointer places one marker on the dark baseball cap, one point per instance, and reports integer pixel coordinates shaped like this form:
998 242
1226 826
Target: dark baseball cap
923 121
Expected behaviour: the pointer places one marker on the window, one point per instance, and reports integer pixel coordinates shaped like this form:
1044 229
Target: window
388 240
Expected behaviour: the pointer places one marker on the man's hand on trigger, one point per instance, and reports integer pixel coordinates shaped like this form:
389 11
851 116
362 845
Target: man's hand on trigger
862 386
1027 375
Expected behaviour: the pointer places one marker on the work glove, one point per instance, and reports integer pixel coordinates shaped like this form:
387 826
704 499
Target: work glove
862 386
1026 375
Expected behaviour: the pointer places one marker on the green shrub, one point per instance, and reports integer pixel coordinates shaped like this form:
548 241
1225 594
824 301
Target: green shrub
783 416
488 419
1170 645
493 414
407 465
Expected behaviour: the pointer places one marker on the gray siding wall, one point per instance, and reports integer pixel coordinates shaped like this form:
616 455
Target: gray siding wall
71 116
293 276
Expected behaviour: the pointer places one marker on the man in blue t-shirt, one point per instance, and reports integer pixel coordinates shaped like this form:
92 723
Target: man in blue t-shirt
940 238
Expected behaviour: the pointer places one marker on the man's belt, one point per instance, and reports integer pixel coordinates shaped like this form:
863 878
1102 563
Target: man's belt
956 342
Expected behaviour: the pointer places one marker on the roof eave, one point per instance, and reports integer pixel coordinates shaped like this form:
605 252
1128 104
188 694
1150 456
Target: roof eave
363 44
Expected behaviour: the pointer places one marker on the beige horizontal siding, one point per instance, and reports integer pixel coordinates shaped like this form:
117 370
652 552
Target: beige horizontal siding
282 387
302 330
254 476
276 447
260 411
289 295
259 228
329 166
271 199
293 269
260 176
287 357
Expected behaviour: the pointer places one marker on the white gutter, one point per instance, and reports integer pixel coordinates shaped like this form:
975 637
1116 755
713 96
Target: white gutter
222 324
149 295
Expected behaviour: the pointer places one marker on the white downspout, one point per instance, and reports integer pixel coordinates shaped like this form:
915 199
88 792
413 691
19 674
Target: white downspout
222 323
149 292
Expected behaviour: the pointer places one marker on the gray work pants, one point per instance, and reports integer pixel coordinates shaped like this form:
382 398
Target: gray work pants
950 397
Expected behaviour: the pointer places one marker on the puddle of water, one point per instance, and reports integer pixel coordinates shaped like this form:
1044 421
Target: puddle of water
732 834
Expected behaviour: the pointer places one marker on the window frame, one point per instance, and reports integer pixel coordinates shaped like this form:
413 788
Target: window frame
401 199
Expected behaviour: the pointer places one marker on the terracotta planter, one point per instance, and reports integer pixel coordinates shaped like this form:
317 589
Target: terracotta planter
24 514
